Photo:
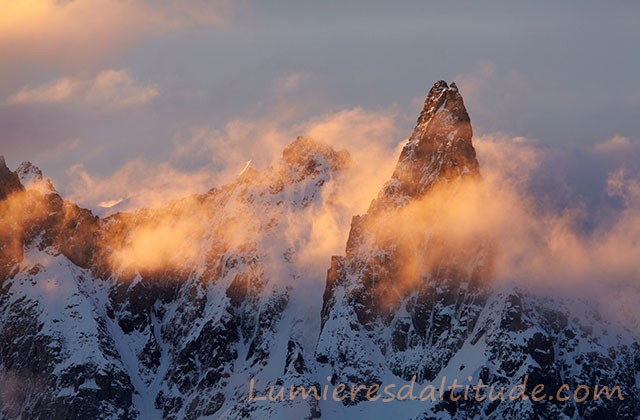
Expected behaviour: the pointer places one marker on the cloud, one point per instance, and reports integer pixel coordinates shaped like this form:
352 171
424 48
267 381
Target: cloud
547 244
291 82
372 137
62 20
111 88
491 93
205 157
168 238
536 246
137 184
482 76
59 34
524 155
613 144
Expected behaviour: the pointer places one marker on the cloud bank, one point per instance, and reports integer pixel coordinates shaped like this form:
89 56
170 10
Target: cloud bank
109 88
204 157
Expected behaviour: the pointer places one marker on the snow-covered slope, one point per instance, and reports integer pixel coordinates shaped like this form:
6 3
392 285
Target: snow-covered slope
171 312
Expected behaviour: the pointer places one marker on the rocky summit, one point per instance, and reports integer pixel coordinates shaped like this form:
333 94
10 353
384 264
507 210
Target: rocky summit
206 307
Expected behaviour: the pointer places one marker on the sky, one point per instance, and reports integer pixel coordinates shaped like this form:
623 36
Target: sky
114 99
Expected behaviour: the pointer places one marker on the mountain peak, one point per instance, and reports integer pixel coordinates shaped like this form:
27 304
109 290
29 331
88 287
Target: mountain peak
439 149
310 155
441 95
28 172
31 178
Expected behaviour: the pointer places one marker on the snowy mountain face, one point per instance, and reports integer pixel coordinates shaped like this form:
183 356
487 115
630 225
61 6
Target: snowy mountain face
102 334
171 312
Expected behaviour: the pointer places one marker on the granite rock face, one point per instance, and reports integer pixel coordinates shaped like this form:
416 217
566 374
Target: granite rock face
439 149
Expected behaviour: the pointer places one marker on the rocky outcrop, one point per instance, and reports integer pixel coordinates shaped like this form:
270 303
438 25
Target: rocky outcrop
448 318
9 181
427 314
439 149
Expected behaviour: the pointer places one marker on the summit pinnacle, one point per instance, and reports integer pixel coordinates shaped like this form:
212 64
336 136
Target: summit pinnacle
438 150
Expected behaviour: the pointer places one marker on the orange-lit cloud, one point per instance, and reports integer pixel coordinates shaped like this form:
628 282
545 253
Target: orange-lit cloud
223 153
60 34
169 238
137 184
545 244
37 20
